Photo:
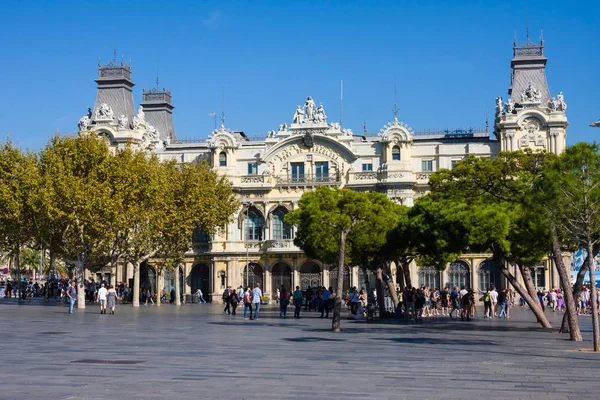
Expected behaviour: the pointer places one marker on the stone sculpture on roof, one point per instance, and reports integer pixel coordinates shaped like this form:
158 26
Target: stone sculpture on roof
298 115
531 95
510 106
309 108
84 123
104 113
122 122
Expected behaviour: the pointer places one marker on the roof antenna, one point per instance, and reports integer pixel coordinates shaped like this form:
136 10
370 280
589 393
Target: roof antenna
223 117
115 52
157 75
341 100
365 127
527 24
395 109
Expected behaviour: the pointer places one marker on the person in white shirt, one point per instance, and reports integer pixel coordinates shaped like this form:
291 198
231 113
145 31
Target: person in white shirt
494 299
256 299
102 298
200 298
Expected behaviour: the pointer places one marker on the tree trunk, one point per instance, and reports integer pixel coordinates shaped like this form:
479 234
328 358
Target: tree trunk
159 282
337 307
406 270
527 281
400 274
592 268
136 284
177 289
390 284
565 282
577 287
380 292
79 276
48 283
533 303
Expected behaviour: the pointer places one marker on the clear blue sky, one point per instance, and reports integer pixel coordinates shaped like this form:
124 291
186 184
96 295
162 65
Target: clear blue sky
450 60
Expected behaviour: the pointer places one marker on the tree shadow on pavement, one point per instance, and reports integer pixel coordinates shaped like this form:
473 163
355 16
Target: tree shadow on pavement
439 341
312 339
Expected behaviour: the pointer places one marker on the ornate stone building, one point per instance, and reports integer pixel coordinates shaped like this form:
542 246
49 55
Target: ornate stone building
271 174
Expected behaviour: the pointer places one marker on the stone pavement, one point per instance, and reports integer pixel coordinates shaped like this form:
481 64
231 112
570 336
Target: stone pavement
195 352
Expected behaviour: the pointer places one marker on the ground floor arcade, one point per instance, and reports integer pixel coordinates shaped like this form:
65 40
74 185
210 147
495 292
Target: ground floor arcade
213 273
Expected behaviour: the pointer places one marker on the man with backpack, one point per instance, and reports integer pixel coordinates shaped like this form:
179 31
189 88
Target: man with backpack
227 301
455 299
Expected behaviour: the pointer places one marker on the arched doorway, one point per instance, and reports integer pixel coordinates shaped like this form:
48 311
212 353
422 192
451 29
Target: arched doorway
200 279
367 279
147 277
458 274
489 274
252 274
310 275
333 278
281 275
429 276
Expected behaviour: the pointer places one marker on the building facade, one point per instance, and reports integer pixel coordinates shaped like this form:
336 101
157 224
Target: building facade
270 175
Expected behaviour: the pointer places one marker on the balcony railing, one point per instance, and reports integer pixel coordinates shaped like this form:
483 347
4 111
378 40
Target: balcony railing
308 179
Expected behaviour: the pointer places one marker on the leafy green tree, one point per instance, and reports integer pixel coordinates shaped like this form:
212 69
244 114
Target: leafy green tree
18 184
326 219
496 195
76 200
572 188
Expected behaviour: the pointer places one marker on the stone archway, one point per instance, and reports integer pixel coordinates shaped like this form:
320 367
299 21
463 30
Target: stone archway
200 279
253 274
281 274
310 275
490 275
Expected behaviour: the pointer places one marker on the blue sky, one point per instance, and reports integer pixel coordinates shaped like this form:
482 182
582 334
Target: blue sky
450 59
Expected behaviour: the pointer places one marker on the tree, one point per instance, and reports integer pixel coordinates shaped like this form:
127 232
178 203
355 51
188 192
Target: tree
326 219
497 196
17 185
76 202
572 188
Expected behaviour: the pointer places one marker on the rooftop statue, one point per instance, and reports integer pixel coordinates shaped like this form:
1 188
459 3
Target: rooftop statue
531 95
122 122
510 106
298 115
499 105
104 112
84 123
320 116
309 108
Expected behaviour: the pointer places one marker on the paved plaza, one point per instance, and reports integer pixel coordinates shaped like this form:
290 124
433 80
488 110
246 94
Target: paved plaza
195 352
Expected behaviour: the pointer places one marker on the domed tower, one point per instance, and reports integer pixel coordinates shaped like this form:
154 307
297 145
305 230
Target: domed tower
531 117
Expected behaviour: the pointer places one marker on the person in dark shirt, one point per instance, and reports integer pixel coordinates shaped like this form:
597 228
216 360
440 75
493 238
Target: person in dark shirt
502 303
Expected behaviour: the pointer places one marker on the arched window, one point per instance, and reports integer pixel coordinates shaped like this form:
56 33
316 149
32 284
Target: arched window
429 276
458 275
281 229
254 225
489 275
396 153
222 159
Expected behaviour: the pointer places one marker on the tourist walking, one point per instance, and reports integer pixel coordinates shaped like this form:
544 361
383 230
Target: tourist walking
227 301
283 302
102 298
111 296
494 299
297 301
200 296
502 303
256 299
234 300
247 304
72 295
148 297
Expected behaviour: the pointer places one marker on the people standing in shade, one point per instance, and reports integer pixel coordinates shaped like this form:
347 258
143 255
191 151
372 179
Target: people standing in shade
111 296
487 304
256 299
353 300
467 301
283 302
509 302
72 295
102 298
455 300
247 304
326 297
297 301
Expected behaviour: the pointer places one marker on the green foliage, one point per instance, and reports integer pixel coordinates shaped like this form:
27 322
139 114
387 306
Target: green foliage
323 214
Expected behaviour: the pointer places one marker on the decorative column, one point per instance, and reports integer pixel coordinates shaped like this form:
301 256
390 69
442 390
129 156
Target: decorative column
325 276
354 276
295 274
187 270
267 289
